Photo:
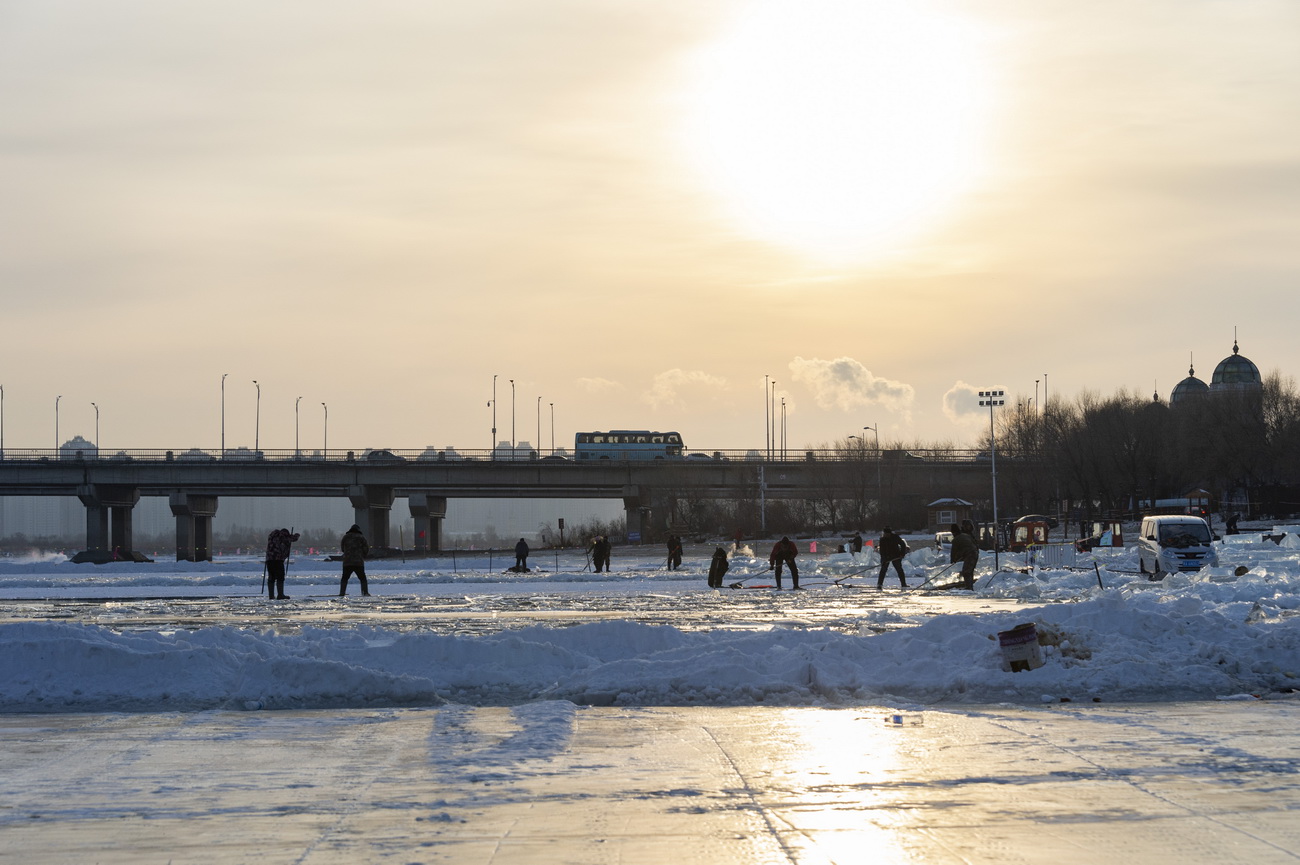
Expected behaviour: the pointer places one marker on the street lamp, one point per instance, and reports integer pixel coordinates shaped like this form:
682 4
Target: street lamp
774 414
552 432
538 443
993 399
257 421
880 487
296 451
96 408
56 424
512 418
326 448
767 418
783 429
494 417
223 414
2 421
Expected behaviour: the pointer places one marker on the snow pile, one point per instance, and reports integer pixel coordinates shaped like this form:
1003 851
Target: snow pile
1107 632
1119 645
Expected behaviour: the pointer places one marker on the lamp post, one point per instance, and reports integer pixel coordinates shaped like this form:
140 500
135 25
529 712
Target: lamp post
56 424
782 429
2 421
512 418
772 399
538 445
494 417
880 487
223 414
96 408
257 421
993 399
552 434
326 448
767 419
296 451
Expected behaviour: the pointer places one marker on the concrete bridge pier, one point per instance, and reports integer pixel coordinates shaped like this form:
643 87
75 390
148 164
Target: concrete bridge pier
636 507
193 526
372 505
108 523
428 511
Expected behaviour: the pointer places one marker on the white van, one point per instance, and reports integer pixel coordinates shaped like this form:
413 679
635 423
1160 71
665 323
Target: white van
1170 544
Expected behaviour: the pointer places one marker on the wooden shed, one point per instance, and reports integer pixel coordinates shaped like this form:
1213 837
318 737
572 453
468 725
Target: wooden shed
941 513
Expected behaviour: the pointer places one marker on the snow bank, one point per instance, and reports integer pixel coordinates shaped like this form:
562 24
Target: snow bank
1204 636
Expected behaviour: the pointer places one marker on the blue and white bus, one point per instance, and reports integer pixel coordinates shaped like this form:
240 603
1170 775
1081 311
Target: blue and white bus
627 444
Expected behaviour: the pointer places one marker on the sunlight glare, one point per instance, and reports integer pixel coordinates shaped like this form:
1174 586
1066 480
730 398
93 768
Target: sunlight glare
839 127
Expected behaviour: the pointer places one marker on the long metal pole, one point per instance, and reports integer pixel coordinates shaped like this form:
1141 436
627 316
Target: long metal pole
512 418
538 445
767 420
223 414
56 424
257 421
993 467
96 408
2 421
494 417
992 399
552 430
326 448
773 401
296 449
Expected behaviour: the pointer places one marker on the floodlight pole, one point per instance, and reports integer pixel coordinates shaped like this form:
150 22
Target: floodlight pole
992 399
880 486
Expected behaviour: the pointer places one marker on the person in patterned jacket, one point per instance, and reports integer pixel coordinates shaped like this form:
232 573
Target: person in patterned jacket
277 552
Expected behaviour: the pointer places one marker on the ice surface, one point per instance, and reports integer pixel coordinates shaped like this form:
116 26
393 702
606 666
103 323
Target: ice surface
198 636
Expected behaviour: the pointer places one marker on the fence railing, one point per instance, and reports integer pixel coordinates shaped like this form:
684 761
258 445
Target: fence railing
443 455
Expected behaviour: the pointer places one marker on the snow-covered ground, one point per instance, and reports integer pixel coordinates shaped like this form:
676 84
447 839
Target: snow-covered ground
463 714
188 636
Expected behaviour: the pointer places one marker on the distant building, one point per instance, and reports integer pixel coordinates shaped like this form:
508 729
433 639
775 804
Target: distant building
1235 374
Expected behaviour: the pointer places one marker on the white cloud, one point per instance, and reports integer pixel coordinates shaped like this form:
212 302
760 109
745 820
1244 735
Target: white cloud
962 405
846 384
599 385
674 386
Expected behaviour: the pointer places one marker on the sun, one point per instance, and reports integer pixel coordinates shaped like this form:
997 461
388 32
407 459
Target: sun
839 127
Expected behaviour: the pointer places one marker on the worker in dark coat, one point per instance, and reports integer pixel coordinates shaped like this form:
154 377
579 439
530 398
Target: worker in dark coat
892 548
355 549
674 552
600 550
277 551
521 556
855 543
783 553
966 551
718 568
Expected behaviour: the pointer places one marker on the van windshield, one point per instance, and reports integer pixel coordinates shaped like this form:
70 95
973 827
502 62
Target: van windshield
1184 534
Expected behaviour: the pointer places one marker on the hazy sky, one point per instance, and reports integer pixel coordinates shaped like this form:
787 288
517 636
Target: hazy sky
635 210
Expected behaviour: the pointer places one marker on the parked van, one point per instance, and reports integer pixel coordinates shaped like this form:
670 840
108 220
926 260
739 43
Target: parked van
1174 543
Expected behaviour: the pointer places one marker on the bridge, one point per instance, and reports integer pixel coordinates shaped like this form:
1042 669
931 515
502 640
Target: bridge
109 486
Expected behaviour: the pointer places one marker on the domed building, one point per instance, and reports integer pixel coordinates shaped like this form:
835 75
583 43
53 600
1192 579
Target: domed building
1188 389
1236 373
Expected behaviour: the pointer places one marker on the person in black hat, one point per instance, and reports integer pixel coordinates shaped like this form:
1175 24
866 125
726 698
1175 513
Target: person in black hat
355 549
892 548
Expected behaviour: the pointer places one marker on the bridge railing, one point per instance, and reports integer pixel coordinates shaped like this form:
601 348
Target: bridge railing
381 456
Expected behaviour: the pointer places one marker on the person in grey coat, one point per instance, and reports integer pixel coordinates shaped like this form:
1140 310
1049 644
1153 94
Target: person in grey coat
966 551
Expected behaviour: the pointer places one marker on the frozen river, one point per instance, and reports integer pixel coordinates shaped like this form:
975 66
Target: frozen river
167 712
